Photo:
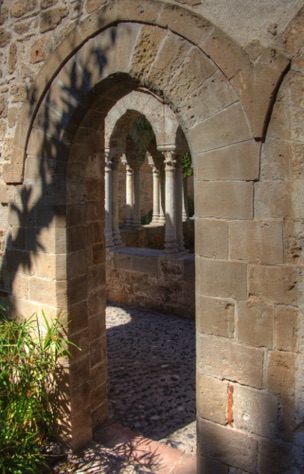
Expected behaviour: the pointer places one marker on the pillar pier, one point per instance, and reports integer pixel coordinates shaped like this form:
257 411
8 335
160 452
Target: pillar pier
115 209
129 195
108 200
171 245
179 204
136 196
185 200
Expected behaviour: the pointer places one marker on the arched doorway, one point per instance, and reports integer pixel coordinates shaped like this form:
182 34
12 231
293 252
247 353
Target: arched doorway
58 144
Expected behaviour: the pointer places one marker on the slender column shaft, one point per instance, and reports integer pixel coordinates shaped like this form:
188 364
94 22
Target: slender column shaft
129 196
136 197
185 200
115 209
156 195
108 202
171 245
179 205
162 198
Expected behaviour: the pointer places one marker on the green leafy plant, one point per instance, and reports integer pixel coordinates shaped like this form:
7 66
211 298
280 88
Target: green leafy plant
187 165
29 361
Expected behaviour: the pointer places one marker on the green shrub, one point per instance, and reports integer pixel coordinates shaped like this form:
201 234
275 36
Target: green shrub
29 354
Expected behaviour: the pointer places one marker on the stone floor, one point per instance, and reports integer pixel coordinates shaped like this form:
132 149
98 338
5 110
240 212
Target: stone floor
151 365
151 358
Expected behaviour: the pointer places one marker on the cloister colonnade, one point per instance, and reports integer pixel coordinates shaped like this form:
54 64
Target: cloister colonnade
165 159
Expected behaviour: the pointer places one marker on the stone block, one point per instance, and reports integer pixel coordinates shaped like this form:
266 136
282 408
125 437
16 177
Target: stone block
223 199
146 48
81 340
97 351
25 308
256 241
286 327
76 239
223 358
94 23
208 466
294 241
169 58
98 375
219 278
51 266
80 397
6 194
227 127
96 274
50 239
275 284
20 285
77 317
238 161
145 264
100 415
97 325
93 5
50 19
275 456
76 214
215 316
259 81
98 253
227 445
281 373
255 323
77 289
81 428
188 84
48 215
272 200
276 159
21 8
79 370
42 290
211 238
184 23
96 301
212 399
17 238
99 396
216 93
122 261
255 411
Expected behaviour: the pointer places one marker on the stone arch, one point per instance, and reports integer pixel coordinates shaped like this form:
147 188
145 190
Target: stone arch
160 116
61 134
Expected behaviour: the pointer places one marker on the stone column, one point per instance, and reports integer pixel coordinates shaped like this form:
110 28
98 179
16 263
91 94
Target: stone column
136 196
108 200
171 245
129 195
179 204
156 195
115 219
162 196
185 200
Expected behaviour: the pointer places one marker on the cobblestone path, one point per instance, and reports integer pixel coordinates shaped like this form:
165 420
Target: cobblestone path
151 364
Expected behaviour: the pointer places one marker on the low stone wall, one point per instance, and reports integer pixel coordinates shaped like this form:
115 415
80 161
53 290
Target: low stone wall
147 278
153 236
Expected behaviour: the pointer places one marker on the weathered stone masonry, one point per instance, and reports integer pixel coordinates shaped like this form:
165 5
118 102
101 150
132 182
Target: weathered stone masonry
239 102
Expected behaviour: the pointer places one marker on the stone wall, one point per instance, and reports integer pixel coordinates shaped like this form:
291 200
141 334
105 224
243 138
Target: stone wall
238 100
145 278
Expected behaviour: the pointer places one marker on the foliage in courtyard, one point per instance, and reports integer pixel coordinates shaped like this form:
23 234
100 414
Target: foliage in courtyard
29 365
187 165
